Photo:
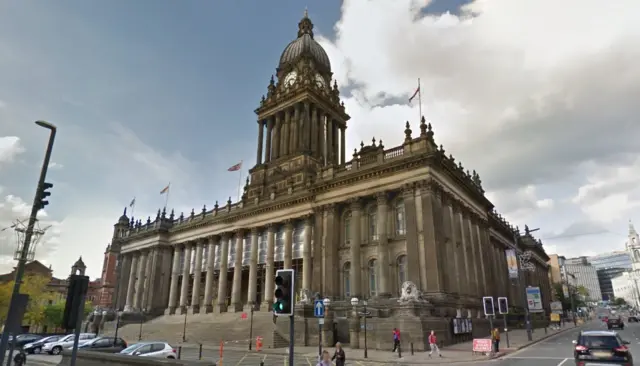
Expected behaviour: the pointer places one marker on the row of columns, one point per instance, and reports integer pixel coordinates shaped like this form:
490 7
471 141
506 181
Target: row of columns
301 128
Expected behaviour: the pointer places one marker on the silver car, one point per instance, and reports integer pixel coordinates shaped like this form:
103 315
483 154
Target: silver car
151 349
55 348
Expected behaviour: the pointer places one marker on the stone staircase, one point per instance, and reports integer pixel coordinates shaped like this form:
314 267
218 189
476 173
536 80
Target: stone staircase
209 329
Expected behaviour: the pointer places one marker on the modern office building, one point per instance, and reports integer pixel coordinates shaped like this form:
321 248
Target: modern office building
585 275
625 287
609 266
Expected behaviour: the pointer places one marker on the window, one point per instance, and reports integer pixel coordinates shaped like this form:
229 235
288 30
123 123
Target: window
205 254
401 224
231 258
193 259
346 273
181 261
246 249
373 277
373 224
347 228
402 270
262 247
279 245
216 257
298 240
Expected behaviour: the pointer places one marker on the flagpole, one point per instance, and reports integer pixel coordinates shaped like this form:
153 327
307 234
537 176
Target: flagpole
419 101
240 180
166 199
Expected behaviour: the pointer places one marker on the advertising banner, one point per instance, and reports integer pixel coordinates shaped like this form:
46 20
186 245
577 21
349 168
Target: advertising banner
512 263
534 300
482 345
556 307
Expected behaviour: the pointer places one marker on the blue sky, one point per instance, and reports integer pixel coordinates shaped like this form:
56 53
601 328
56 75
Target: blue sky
150 92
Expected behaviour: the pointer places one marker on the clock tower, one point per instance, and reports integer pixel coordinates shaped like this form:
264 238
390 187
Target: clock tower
301 120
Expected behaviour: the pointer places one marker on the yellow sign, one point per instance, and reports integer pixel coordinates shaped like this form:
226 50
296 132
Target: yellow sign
555 317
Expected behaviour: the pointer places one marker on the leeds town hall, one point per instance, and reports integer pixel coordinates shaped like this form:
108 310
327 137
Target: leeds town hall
361 224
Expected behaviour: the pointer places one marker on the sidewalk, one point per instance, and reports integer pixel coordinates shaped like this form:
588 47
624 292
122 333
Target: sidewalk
461 352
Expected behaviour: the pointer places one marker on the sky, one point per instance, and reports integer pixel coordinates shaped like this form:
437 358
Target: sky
538 96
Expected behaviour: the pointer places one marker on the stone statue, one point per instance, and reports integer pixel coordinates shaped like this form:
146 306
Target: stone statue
304 296
410 293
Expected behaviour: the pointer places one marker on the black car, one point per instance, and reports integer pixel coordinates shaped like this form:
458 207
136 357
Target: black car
632 319
601 347
22 339
104 344
36 347
615 323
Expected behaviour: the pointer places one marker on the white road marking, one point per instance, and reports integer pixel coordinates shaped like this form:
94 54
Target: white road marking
561 363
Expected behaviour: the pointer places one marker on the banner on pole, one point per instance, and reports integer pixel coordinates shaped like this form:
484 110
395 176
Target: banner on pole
534 300
512 263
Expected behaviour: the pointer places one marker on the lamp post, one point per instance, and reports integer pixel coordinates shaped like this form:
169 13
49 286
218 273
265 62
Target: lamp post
326 302
115 336
102 321
364 314
184 326
521 283
251 327
35 207
142 318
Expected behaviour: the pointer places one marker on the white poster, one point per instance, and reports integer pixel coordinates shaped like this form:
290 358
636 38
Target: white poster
534 300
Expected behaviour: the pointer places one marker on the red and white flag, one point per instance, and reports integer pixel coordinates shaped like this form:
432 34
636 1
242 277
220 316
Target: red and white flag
235 168
415 93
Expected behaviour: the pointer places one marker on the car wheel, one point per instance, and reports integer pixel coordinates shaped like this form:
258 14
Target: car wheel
56 350
171 358
36 350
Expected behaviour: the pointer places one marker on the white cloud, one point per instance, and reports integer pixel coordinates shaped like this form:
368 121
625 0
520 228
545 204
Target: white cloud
10 147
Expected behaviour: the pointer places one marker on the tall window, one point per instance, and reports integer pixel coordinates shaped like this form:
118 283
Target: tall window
205 254
373 224
216 257
298 240
347 228
181 262
262 247
231 258
246 249
402 270
279 245
401 223
373 277
346 273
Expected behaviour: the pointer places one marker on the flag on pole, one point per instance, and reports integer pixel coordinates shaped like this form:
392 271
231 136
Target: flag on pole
165 189
415 93
235 168
133 202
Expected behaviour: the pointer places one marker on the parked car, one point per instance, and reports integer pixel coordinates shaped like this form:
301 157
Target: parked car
55 348
22 339
36 347
632 319
151 349
615 323
601 347
104 344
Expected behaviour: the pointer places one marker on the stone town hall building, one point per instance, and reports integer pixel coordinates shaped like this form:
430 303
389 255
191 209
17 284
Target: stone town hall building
351 224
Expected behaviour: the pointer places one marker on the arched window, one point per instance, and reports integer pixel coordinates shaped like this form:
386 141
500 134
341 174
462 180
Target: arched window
373 223
373 278
346 279
401 222
402 270
347 228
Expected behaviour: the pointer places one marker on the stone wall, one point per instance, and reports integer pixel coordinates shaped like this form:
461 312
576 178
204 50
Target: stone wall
88 358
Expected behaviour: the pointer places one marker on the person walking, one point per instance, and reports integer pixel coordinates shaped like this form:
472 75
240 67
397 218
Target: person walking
433 344
325 359
495 337
396 340
339 355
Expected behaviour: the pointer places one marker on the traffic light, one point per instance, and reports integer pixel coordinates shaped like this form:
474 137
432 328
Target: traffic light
44 195
503 305
487 303
283 303
74 306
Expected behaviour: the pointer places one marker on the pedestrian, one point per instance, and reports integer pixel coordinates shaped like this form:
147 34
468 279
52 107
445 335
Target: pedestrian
495 337
339 355
20 358
433 344
325 359
396 340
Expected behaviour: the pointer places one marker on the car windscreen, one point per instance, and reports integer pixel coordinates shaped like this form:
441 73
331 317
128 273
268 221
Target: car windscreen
131 348
599 341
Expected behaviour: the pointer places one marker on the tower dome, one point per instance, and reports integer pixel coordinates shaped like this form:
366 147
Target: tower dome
305 45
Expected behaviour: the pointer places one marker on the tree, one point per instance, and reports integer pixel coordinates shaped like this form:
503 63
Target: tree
618 301
566 301
54 313
33 285
583 291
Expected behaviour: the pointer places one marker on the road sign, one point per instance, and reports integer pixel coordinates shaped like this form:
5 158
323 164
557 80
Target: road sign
318 309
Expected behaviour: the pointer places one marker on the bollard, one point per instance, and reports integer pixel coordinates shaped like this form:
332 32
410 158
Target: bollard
545 330
399 351
261 363
200 352
411 348
179 352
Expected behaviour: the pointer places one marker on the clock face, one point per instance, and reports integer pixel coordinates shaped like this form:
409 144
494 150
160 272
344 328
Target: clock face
320 81
290 79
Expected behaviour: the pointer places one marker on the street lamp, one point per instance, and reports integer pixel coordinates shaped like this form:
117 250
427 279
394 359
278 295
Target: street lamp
142 318
521 283
102 321
364 313
35 207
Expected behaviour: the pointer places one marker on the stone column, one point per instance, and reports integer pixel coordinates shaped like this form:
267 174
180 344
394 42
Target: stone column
383 244
317 268
336 142
343 145
253 270
173 287
330 142
128 306
260 140
277 127
315 139
456 285
123 277
284 149
197 275
463 251
236 285
306 254
434 240
483 278
288 244
474 255
295 130
355 232
330 255
208 287
269 271
413 260
186 278
142 266
224 267
267 150
149 280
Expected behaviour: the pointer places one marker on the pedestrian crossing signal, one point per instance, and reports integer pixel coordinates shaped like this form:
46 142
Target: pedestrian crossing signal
487 303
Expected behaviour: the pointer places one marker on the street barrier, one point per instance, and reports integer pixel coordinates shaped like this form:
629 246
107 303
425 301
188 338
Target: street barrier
88 358
482 345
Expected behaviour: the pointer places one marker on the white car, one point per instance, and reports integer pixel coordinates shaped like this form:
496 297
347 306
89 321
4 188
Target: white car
55 348
151 349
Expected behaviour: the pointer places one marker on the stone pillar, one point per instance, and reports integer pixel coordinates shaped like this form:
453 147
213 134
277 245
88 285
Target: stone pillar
197 275
267 150
224 267
483 278
413 259
343 145
208 287
269 271
383 244
476 276
277 127
317 256
315 139
434 240
306 254
128 306
330 255
288 244
253 270
173 287
355 232
456 285
186 278
149 280
286 129
123 277
354 330
336 148
236 285
295 130
260 140
142 266
330 142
